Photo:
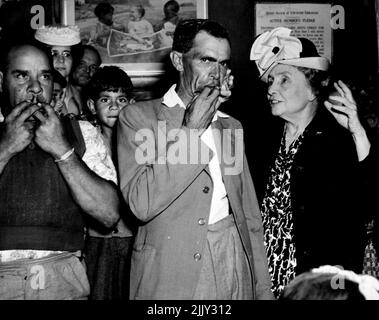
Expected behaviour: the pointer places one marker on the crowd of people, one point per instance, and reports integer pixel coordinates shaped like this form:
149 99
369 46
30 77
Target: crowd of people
106 198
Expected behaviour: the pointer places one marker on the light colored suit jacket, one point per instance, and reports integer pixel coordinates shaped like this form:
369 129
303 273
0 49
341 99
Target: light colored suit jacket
173 202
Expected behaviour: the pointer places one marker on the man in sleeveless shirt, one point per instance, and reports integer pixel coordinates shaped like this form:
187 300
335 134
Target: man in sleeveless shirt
45 186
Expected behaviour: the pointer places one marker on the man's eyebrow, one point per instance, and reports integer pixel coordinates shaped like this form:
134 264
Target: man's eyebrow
47 71
213 59
17 71
208 58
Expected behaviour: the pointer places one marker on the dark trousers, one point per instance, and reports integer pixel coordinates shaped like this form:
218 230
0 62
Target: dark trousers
108 267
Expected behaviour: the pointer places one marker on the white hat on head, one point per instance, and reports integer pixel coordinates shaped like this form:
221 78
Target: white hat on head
58 35
278 46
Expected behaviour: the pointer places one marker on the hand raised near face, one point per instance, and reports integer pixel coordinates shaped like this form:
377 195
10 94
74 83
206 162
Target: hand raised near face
226 87
59 104
202 108
344 108
50 134
18 128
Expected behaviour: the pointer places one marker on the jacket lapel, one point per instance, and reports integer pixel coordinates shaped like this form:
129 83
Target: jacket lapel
224 136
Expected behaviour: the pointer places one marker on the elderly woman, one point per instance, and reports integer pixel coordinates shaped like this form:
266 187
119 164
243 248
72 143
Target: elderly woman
312 206
63 42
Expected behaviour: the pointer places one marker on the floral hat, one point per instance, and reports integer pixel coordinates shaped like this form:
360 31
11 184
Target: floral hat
58 35
278 46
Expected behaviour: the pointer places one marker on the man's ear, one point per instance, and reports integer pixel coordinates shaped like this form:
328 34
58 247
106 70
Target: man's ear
91 106
177 60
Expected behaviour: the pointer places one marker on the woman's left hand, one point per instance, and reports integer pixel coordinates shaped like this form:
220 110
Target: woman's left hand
344 109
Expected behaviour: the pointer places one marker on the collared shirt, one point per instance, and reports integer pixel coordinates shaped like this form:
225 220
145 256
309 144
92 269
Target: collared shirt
220 203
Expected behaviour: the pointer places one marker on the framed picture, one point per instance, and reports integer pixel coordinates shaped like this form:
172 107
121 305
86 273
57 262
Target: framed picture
141 32
307 20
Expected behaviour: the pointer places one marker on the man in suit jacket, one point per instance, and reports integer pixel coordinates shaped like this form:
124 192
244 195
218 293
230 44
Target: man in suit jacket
185 176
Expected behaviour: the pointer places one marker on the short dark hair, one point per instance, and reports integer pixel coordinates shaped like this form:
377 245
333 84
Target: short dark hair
173 4
187 30
108 78
78 53
8 47
93 49
103 8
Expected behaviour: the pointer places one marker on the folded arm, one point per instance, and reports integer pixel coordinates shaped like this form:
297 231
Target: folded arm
150 177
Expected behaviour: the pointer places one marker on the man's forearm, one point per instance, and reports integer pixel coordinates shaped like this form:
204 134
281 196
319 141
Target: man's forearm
5 156
96 196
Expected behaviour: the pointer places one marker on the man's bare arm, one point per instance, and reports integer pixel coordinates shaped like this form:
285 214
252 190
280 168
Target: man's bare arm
95 195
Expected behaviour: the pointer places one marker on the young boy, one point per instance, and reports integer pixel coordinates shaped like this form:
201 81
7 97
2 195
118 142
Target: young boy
59 84
108 254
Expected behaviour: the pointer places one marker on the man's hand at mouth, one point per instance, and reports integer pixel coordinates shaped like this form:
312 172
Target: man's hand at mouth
18 132
226 87
201 110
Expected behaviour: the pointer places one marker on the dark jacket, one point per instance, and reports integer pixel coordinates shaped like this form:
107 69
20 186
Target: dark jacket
330 193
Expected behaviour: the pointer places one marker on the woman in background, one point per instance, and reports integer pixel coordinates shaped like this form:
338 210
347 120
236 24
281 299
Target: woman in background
63 42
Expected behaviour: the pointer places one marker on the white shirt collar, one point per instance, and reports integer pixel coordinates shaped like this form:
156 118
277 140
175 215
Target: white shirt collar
171 99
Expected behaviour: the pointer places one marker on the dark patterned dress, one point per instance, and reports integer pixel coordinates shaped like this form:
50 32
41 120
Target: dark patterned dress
278 220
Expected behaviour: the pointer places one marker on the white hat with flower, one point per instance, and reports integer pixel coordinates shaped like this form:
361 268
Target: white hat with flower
278 46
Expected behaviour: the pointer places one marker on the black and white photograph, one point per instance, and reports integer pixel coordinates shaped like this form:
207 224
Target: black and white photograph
192 154
129 31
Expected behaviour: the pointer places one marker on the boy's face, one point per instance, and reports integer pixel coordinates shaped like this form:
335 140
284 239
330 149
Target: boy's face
57 92
107 18
169 12
109 105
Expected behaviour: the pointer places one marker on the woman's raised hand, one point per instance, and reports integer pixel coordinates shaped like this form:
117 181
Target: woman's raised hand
344 109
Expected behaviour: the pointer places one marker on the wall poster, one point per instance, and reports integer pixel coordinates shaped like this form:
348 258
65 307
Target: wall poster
307 20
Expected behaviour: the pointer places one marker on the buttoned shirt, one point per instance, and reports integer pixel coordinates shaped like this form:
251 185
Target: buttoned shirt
220 204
